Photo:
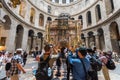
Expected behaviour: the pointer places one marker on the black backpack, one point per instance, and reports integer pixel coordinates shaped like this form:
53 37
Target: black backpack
110 64
96 64
7 66
42 71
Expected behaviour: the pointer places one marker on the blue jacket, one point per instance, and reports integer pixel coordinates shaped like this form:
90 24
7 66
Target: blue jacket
77 67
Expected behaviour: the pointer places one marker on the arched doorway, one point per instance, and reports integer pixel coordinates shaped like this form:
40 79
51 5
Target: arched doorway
115 36
91 39
101 39
30 39
40 36
19 36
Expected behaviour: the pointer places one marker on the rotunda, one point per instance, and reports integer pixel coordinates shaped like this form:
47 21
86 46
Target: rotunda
29 23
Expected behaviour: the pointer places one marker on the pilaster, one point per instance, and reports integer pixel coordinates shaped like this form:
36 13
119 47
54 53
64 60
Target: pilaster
108 46
10 43
25 39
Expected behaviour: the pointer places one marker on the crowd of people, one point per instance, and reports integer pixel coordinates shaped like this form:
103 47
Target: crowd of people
14 63
83 63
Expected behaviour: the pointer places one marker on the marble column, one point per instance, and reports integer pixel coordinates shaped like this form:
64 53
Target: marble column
10 44
34 42
97 41
86 42
25 39
108 46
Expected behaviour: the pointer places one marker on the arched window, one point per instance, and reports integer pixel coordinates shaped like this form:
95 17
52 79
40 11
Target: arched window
89 20
112 4
81 18
109 4
49 19
98 12
22 9
32 15
41 20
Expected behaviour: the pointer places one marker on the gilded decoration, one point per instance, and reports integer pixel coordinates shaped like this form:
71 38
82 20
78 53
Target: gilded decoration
15 3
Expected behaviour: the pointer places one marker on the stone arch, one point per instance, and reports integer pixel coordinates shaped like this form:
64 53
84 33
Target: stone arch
98 12
101 39
91 39
81 18
89 18
115 36
22 10
19 36
32 15
30 39
7 23
41 20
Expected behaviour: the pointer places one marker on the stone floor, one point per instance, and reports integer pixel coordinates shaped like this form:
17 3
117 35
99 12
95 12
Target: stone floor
114 75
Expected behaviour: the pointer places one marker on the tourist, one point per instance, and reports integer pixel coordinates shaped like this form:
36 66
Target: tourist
79 73
16 65
104 60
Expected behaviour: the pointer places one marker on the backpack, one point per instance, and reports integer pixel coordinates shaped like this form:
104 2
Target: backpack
110 64
96 64
7 66
44 72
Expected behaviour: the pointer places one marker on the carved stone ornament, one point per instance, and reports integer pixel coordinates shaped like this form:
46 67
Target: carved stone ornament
15 3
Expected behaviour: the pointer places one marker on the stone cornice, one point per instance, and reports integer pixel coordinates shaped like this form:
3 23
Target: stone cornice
115 15
15 16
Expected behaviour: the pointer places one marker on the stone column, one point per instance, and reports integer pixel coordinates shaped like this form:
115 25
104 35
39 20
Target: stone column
108 46
37 14
84 21
86 41
25 39
34 42
10 44
97 41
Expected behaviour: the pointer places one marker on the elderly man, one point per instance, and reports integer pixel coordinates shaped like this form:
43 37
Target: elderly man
16 65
